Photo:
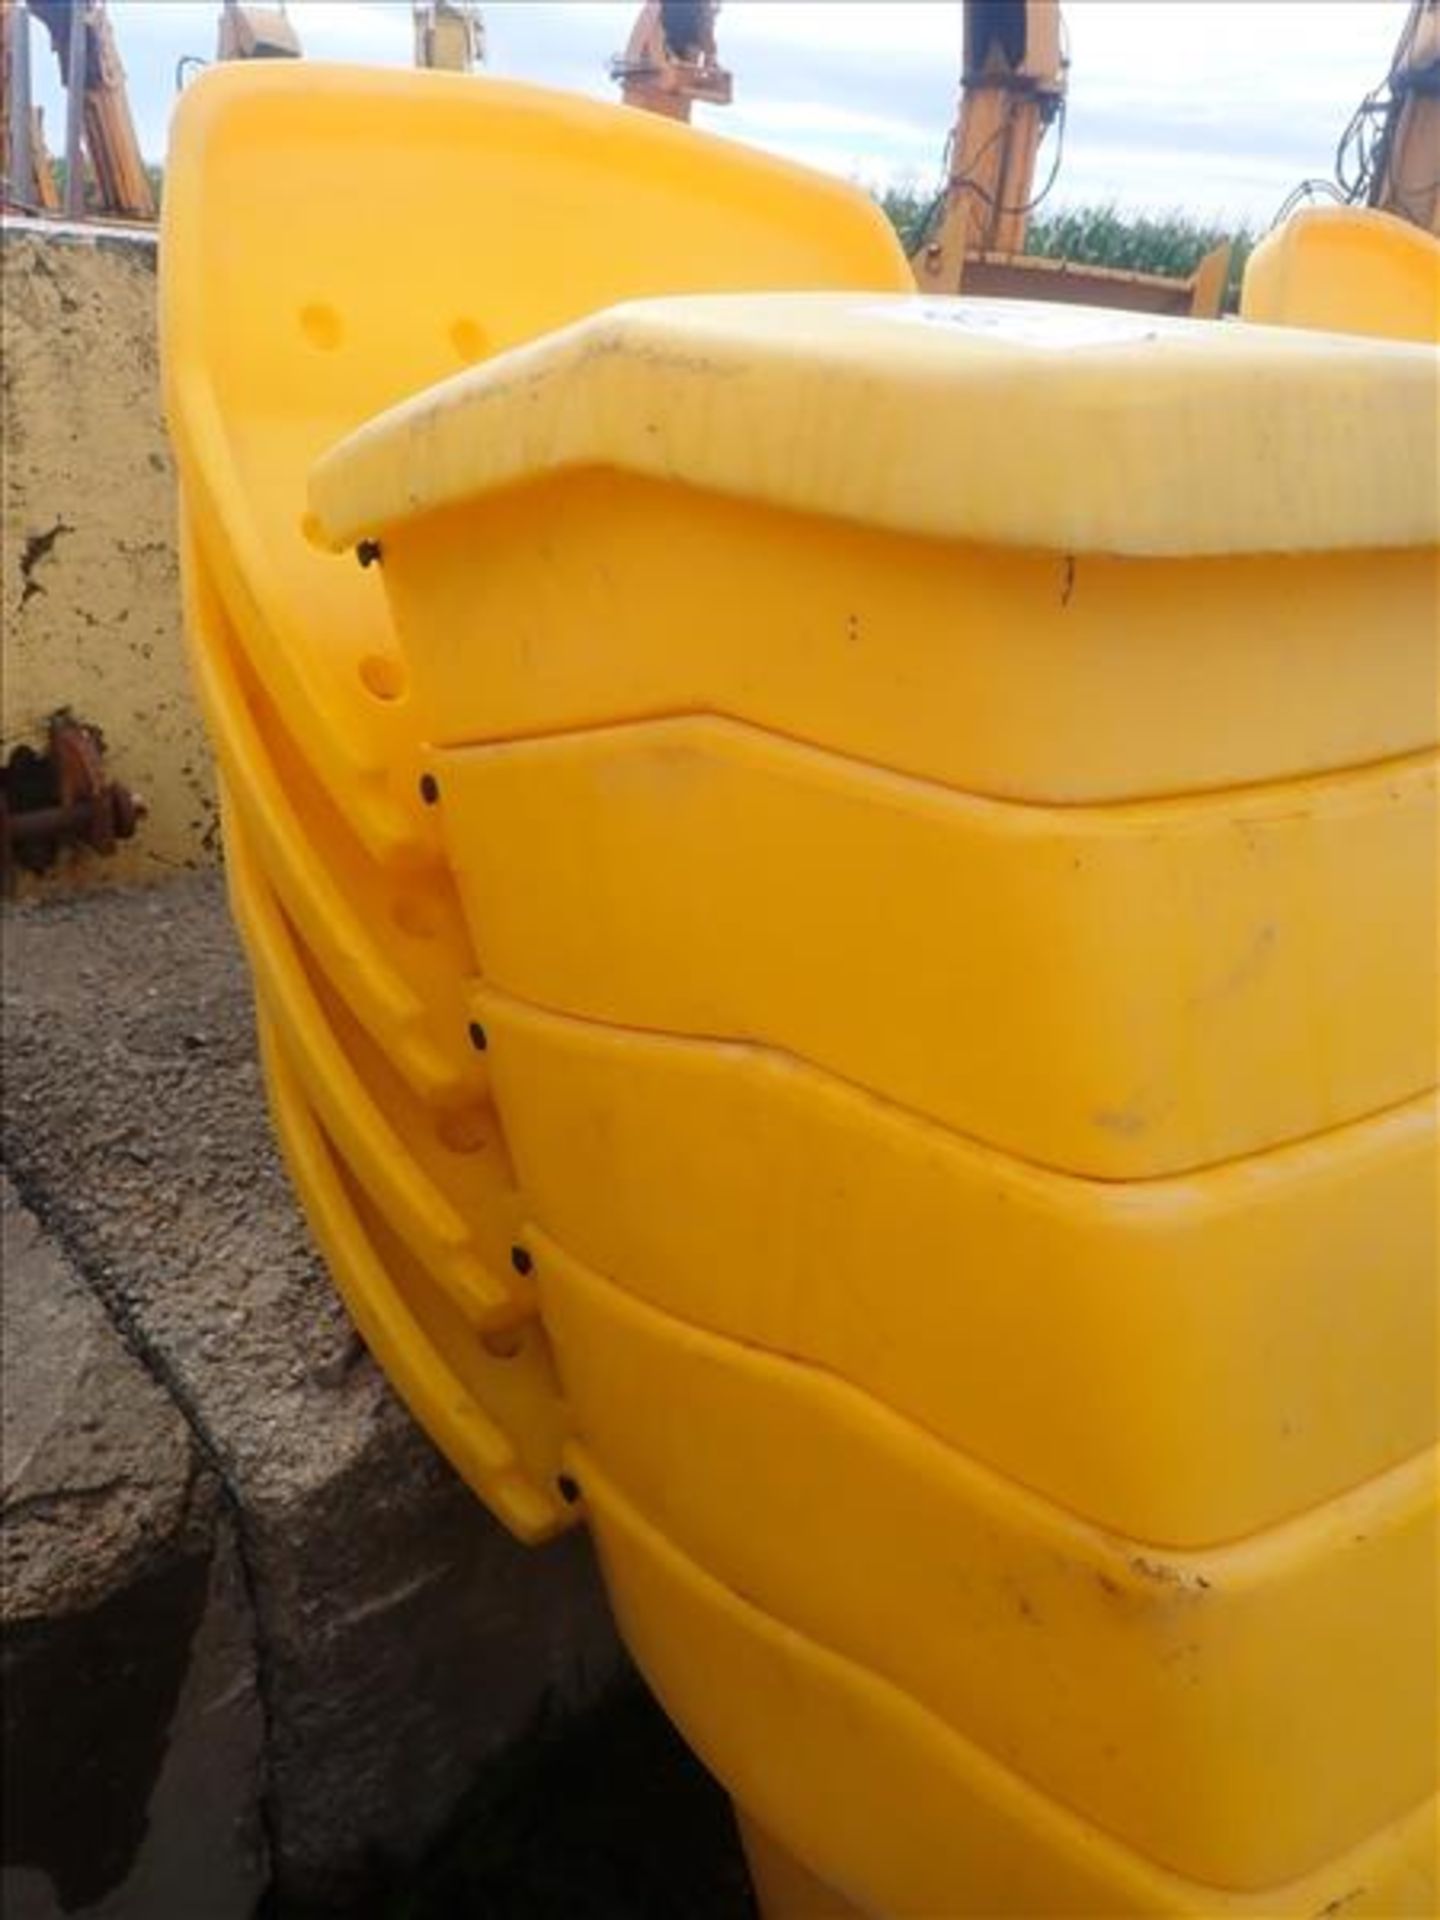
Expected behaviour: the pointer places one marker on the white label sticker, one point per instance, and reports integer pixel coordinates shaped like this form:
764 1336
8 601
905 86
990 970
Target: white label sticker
1022 323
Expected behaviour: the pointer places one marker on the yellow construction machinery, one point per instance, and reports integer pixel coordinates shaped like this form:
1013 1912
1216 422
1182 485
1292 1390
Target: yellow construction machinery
104 171
1388 157
449 35
256 33
1404 175
1012 91
670 60
1369 261
29 177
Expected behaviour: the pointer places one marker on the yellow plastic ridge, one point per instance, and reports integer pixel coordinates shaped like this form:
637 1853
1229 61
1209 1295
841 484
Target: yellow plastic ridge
445 1404
1064 678
898 1813
997 1304
1121 992
1104 1669
417 1209
386 1002
981 420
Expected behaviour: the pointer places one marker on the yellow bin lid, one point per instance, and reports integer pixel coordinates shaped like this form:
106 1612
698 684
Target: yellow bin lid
1065 428
1349 270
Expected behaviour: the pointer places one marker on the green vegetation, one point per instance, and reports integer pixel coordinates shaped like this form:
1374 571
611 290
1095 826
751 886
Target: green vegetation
907 210
1170 243
1099 236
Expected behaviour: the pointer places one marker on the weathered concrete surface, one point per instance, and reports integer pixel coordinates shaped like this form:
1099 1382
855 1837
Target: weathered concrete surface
402 1636
130 1717
90 602
97 1468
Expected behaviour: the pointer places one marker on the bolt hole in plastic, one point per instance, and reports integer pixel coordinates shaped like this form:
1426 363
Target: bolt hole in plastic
468 339
415 916
478 1038
521 1260
506 1345
322 326
569 1489
464 1132
383 675
429 789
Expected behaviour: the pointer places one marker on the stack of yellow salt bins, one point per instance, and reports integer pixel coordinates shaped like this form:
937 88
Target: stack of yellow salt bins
1347 270
848 969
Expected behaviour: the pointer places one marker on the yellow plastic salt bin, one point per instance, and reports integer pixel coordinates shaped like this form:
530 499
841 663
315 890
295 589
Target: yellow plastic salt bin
1347 270
942 795
335 238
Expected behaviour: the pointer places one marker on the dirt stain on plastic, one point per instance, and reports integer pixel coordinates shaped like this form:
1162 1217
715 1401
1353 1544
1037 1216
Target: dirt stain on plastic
1338 1906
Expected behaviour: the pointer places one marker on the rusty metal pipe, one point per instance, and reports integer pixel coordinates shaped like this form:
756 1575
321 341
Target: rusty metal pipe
60 798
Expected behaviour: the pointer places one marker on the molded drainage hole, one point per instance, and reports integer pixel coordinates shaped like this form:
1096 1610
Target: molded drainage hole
464 1132
322 326
383 675
468 339
414 915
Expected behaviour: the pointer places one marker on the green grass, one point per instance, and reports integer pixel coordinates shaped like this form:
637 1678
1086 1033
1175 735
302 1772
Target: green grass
1103 236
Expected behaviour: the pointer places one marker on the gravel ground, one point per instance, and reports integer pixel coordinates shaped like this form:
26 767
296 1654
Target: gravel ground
134 1127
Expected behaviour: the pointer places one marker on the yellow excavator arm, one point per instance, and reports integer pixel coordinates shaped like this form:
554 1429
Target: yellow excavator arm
103 140
449 35
30 185
1406 176
256 33
1012 88
670 59
1012 91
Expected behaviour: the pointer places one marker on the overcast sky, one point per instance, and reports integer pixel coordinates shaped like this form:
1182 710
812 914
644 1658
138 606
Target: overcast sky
1218 107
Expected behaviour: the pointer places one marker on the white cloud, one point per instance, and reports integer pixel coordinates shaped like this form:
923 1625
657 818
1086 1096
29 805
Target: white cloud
804 117
1212 105
912 25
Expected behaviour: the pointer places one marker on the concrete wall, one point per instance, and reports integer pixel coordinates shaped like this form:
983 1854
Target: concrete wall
91 604
132 1730
251 1625
253 1631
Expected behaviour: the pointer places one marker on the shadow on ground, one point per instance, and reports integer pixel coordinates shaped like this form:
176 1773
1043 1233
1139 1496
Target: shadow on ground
605 1815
